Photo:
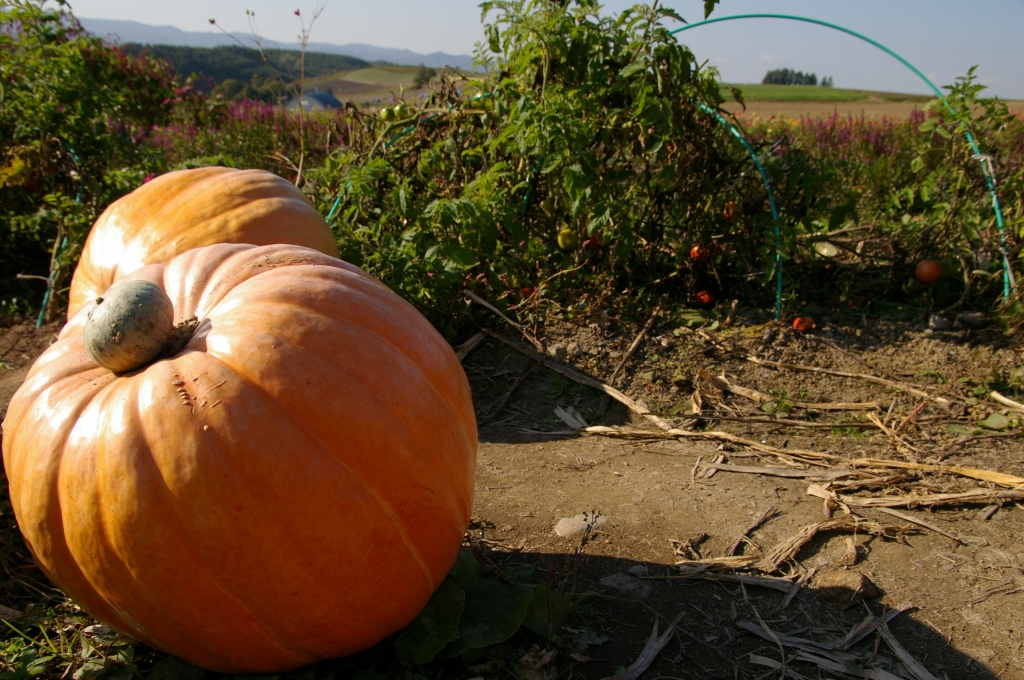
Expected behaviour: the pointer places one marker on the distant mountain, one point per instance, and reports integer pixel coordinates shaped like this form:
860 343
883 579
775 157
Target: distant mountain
135 32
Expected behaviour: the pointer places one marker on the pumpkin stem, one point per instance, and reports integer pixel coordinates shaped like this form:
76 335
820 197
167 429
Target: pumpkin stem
180 336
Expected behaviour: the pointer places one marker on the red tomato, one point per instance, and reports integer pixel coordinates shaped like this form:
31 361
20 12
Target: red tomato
803 324
928 271
704 298
527 292
592 242
699 253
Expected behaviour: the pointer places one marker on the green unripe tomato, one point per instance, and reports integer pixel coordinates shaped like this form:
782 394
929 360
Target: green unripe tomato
402 111
387 114
568 239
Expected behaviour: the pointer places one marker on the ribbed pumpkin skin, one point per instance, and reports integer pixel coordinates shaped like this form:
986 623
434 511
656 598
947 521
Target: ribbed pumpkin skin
304 505
188 209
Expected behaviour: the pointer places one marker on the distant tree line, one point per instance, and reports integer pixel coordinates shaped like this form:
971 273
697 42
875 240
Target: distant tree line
785 76
242 64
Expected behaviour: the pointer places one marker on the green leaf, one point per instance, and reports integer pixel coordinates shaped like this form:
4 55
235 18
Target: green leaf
630 69
962 429
436 625
996 421
520 573
709 7
494 611
466 568
547 610
173 668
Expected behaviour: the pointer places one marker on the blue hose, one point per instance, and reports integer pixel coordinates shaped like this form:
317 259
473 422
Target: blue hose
989 180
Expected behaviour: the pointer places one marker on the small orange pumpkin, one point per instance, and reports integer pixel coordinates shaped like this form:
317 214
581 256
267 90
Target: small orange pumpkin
188 209
290 487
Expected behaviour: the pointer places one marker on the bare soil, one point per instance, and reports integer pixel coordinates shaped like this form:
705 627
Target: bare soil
967 597
967 619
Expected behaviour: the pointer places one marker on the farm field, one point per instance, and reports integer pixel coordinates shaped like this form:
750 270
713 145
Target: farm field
774 404
811 93
655 506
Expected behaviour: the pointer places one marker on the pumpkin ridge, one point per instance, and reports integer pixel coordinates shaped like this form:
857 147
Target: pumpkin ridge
371 293
168 501
96 601
386 507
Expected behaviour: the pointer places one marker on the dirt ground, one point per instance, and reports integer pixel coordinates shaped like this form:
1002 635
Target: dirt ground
967 615
870 109
647 504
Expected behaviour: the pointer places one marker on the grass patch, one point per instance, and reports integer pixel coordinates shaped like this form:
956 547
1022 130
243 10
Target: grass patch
810 93
382 75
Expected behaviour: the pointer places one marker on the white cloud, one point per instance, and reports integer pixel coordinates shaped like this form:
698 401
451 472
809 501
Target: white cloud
771 58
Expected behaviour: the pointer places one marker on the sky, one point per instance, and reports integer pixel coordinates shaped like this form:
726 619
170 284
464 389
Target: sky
942 38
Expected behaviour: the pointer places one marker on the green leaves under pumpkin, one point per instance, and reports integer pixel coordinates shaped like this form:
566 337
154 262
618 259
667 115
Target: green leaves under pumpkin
472 610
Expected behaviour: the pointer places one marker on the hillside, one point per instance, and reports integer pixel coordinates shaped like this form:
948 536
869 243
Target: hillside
239 63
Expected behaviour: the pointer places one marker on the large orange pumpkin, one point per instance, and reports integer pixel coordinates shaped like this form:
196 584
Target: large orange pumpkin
290 487
188 209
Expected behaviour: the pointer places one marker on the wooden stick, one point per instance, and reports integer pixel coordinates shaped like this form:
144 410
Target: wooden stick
783 421
632 348
900 444
999 478
818 475
912 664
760 397
504 399
928 500
859 376
765 516
585 380
1006 402
468 346
479 300
919 522
651 650
812 457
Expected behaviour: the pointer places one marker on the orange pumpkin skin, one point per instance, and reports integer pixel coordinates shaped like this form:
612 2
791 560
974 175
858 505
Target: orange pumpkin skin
291 487
189 209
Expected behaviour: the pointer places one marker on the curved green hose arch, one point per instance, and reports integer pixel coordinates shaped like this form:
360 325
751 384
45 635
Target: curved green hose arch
771 201
989 180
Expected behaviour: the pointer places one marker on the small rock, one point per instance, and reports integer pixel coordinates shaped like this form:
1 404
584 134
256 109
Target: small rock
972 319
558 351
574 349
627 587
638 570
844 589
939 323
769 335
580 524
614 354
665 342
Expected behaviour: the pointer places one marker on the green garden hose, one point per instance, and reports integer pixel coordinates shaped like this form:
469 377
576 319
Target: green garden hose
771 201
981 158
